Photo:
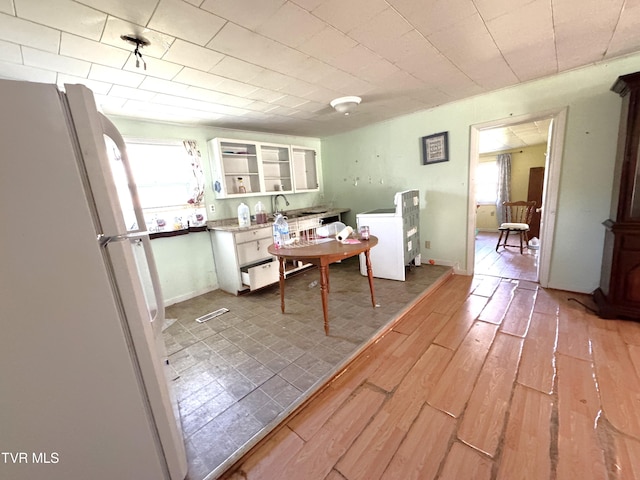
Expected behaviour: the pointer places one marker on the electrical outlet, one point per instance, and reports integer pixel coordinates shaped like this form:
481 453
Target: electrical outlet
427 244
212 208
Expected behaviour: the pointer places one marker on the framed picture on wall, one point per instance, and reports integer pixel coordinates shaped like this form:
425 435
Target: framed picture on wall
435 148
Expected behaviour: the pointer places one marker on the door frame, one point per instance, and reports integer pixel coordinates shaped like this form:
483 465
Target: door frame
555 146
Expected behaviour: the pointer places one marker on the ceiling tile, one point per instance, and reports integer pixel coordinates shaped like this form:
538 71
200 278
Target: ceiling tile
108 104
239 42
248 13
114 75
65 15
23 72
579 43
490 9
529 52
313 71
290 101
10 52
131 93
233 87
397 49
163 86
98 88
347 15
265 95
192 55
115 28
308 5
27 33
272 80
291 25
191 76
56 63
626 38
155 67
216 97
6 6
185 21
231 67
386 26
138 12
170 113
327 44
433 16
356 59
377 72
92 51
470 47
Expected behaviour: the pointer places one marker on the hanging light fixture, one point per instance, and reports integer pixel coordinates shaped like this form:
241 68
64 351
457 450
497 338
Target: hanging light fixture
139 42
345 105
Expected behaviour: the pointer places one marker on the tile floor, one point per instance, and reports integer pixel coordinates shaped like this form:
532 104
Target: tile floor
238 375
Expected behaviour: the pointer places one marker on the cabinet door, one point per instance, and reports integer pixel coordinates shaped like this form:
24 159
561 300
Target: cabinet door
305 169
235 167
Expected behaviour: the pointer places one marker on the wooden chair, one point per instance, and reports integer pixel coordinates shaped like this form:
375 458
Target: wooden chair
517 216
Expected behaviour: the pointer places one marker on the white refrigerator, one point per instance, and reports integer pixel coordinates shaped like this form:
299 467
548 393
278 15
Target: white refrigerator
83 371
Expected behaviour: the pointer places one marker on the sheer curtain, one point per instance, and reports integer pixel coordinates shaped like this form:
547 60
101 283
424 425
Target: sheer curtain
503 162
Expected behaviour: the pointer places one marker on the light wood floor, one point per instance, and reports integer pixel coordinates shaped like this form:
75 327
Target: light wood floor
506 262
485 378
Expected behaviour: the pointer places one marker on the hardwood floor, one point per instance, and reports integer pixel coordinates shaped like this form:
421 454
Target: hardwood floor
506 262
484 378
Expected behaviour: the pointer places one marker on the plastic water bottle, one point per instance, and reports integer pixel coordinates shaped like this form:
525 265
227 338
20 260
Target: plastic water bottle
244 218
280 231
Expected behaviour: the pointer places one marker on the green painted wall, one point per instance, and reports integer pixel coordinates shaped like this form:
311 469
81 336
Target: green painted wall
386 158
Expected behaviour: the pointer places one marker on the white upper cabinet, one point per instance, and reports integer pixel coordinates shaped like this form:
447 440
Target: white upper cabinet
305 169
276 168
243 168
235 166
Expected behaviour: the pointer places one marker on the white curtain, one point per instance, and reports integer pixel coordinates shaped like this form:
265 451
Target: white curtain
197 183
503 162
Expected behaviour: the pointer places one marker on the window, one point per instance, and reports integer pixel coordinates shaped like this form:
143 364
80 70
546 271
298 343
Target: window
487 183
170 183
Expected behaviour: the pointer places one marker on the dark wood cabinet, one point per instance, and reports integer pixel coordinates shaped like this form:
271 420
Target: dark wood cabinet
619 292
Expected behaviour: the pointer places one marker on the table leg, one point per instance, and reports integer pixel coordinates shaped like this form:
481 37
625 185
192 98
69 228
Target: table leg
324 280
282 263
370 275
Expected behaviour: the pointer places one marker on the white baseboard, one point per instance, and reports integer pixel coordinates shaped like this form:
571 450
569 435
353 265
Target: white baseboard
188 296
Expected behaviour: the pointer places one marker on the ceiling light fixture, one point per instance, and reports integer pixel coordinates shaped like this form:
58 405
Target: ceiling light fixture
139 42
345 105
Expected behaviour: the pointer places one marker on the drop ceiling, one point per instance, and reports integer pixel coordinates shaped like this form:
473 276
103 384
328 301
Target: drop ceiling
274 65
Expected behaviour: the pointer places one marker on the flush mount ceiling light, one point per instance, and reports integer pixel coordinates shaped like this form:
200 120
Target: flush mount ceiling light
345 105
139 42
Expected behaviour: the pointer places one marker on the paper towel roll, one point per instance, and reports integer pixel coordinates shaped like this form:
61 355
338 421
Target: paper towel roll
344 233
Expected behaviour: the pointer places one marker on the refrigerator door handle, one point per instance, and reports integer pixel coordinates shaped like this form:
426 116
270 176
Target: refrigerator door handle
110 130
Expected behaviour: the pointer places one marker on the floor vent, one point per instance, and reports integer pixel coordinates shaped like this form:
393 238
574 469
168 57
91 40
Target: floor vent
211 315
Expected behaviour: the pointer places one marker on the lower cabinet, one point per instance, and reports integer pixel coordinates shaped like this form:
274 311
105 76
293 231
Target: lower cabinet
242 261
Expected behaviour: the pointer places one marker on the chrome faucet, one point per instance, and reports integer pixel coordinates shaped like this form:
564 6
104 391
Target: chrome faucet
274 203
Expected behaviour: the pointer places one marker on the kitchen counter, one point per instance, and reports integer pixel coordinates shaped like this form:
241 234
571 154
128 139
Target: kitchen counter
231 224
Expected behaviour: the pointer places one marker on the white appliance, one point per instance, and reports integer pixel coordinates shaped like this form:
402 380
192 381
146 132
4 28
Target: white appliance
398 232
84 390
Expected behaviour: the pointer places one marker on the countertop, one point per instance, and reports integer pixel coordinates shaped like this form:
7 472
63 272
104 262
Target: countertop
231 224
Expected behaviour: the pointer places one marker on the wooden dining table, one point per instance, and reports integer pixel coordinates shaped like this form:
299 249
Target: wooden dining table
322 254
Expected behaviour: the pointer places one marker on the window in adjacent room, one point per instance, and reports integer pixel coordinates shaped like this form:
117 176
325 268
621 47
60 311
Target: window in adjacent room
486 182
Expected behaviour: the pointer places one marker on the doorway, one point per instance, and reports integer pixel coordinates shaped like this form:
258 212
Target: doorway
550 185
